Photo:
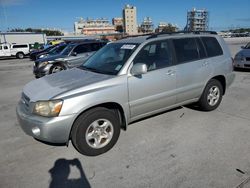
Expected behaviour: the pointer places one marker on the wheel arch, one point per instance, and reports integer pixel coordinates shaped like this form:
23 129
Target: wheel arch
222 80
56 63
20 52
110 105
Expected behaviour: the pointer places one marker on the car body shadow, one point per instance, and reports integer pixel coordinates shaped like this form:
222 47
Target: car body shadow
157 114
11 58
236 69
60 175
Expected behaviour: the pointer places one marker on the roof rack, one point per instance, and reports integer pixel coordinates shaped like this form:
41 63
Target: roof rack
139 35
181 32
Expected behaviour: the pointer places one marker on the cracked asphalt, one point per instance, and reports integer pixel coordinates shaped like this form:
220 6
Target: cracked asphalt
180 148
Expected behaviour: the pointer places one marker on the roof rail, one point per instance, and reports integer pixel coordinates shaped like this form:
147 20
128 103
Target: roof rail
181 32
139 35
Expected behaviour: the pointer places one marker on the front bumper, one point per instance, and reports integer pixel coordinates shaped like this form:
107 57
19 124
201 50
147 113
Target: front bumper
241 64
52 130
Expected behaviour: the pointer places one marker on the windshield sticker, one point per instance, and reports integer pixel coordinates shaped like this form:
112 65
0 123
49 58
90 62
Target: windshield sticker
118 67
128 46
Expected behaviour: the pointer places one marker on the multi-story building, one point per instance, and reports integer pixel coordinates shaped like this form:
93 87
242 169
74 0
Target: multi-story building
166 27
118 23
147 25
197 20
161 26
130 20
93 26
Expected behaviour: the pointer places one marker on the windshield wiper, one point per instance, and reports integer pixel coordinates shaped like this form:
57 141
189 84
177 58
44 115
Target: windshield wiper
96 70
91 69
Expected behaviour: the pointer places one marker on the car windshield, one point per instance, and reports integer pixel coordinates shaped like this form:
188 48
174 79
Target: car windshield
110 59
56 50
247 46
68 49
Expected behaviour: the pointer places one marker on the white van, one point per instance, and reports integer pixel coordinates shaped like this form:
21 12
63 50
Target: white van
18 50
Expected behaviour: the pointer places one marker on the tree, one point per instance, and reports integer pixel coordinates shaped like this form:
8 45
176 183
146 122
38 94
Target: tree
169 28
45 31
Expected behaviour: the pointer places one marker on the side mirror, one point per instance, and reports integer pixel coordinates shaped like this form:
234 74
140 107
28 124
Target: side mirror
74 54
139 69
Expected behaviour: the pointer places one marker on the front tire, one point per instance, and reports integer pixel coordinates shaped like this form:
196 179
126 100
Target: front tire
57 68
95 131
211 96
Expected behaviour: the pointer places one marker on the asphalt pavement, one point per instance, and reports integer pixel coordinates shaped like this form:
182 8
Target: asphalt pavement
180 148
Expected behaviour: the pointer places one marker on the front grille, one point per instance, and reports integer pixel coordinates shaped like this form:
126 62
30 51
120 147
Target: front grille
247 58
246 65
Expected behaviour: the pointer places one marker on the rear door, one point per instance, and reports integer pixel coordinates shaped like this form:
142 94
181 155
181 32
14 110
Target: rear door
155 90
193 69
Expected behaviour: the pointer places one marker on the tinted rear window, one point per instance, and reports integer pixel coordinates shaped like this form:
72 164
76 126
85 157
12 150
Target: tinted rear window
20 46
95 46
201 49
185 49
212 46
82 48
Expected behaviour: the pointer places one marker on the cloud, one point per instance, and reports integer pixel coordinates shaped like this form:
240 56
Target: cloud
11 2
243 19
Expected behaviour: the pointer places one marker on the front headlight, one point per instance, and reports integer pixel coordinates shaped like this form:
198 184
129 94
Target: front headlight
48 108
43 64
41 56
239 57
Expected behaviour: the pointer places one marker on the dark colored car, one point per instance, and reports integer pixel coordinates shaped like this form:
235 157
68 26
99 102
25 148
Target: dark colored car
35 53
54 51
72 56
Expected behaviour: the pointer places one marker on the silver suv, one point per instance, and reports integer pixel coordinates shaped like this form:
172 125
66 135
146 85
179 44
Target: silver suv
125 81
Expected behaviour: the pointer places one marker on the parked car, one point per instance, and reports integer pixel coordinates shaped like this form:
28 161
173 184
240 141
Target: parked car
35 53
242 58
125 81
55 42
54 51
17 50
73 55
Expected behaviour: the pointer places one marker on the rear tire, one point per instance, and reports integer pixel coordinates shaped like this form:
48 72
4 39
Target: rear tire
20 55
211 96
95 131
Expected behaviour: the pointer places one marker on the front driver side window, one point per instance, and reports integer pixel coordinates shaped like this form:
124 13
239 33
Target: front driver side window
82 49
155 55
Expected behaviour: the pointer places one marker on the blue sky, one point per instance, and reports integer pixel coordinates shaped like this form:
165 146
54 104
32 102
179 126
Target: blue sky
224 14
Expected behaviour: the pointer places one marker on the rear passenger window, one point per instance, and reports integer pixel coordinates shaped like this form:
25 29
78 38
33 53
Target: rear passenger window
186 50
20 46
212 46
201 49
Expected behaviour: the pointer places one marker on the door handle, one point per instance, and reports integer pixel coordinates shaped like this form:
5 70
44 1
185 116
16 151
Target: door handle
170 72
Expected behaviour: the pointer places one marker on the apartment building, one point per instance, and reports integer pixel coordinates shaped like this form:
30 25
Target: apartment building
130 20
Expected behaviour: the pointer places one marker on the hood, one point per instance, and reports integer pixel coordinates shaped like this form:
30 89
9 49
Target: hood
50 58
50 86
244 52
